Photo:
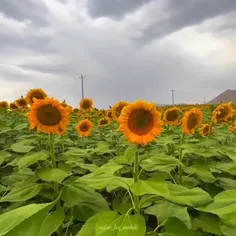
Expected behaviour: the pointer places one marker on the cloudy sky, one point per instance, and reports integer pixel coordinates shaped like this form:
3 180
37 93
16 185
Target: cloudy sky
129 49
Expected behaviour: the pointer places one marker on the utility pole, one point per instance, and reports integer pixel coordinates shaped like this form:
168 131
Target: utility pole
173 96
82 84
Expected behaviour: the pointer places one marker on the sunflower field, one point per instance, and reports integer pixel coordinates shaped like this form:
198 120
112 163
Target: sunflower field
134 169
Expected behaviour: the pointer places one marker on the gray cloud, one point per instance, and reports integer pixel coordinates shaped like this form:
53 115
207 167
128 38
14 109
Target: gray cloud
186 13
31 10
115 8
116 67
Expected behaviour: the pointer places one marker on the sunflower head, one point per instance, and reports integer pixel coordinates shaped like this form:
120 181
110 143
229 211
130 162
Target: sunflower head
191 120
109 114
86 104
21 102
172 116
76 110
4 104
140 122
222 113
205 130
117 109
13 106
84 127
103 121
48 116
35 93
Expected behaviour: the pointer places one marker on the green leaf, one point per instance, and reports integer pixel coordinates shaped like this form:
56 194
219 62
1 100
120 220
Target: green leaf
227 167
163 210
102 148
201 169
228 231
4 156
88 228
224 205
160 162
51 223
175 193
227 183
86 201
175 226
11 219
89 167
157 187
109 168
53 175
31 158
190 197
21 126
22 194
208 223
115 225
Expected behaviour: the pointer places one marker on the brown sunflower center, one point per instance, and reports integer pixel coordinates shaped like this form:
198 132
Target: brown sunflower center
192 121
103 122
223 112
13 106
86 104
84 127
172 115
37 95
206 129
140 121
22 102
49 115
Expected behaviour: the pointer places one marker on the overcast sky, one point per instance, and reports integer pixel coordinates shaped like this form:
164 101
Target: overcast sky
129 49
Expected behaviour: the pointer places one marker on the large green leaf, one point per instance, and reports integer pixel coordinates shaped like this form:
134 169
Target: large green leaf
53 175
86 201
4 156
159 162
22 194
208 223
133 225
164 209
15 218
224 205
31 158
172 192
175 226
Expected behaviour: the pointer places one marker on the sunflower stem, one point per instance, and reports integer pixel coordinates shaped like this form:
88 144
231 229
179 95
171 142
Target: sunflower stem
136 179
56 185
180 158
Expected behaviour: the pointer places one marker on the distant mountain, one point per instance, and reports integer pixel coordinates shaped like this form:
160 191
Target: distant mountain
227 96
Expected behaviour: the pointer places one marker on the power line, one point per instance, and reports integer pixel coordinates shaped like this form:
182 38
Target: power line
173 96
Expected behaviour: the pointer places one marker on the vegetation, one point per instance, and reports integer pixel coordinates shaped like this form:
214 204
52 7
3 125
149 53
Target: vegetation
135 169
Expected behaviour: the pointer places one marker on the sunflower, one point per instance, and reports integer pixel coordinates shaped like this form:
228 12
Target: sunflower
103 121
191 120
172 116
86 104
109 114
140 122
35 93
13 106
76 110
117 109
222 113
84 127
4 104
21 102
205 130
49 116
